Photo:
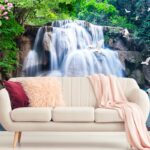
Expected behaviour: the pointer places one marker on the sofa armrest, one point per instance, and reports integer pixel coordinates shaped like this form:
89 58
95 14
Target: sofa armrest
141 98
5 109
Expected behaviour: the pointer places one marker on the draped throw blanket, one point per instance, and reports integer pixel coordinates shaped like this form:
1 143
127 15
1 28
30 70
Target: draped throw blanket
109 94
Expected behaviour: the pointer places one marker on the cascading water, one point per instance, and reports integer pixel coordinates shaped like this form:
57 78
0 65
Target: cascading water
71 48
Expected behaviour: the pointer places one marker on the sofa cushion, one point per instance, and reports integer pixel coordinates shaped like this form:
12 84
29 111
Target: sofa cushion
107 115
17 94
31 114
73 114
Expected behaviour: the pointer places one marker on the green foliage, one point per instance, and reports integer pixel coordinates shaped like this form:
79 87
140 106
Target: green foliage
144 31
122 22
8 63
105 13
38 12
97 12
9 30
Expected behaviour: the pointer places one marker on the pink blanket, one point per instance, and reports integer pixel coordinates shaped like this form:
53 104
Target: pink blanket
109 94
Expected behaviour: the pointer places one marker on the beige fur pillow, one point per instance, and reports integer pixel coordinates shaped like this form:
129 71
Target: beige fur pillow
43 91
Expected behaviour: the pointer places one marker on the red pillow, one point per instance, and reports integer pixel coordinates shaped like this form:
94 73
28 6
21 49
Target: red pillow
17 94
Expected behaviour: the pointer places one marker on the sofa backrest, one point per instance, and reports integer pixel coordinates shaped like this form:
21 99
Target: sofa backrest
77 91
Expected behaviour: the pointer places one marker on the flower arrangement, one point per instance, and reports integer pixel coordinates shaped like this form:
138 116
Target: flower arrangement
5 9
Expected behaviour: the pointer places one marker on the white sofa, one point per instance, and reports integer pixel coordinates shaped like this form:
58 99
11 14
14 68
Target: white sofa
79 114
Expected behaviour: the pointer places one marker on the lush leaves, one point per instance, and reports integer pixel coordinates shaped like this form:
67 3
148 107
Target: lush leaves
38 12
9 30
97 12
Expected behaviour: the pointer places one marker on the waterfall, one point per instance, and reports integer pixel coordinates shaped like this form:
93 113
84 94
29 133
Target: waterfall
71 48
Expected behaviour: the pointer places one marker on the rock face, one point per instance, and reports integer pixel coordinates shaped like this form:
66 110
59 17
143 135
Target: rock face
117 44
129 56
25 47
47 39
129 52
138 76
116 38
146 71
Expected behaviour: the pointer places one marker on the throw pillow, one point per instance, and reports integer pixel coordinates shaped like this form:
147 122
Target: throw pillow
17 94
43 91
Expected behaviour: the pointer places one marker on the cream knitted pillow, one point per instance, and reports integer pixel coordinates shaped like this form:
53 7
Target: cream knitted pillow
43 91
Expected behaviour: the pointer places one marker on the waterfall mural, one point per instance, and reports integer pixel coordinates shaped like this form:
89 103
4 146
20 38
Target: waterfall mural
71 48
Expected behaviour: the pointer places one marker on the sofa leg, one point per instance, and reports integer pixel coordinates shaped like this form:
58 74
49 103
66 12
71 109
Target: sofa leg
16 138
19 138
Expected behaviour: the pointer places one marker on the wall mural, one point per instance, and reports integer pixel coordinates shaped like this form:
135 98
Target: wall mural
78 48
109 37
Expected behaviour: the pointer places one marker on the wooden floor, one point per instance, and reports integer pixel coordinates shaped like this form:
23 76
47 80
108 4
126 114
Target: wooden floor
65 141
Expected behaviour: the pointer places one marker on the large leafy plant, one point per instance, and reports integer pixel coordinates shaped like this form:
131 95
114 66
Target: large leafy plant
9 31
